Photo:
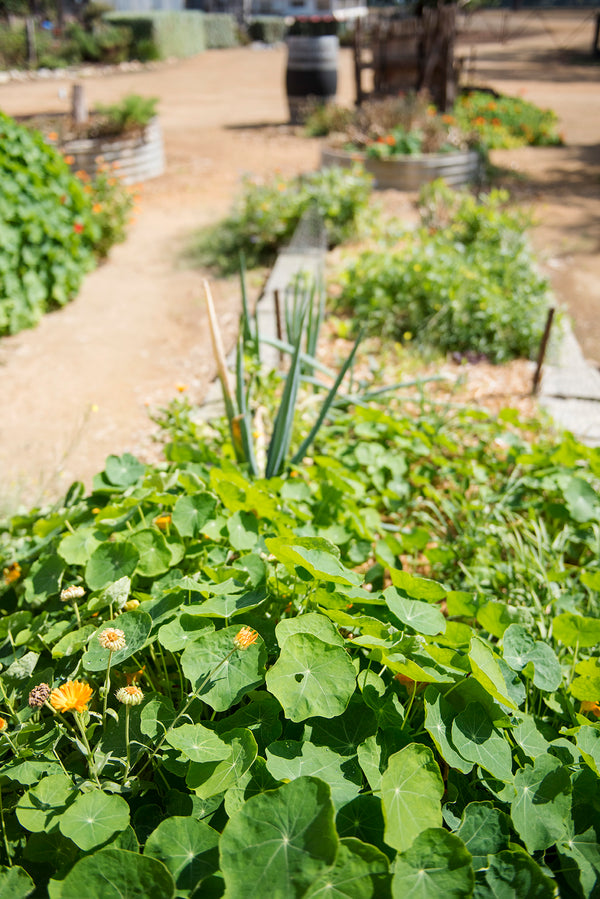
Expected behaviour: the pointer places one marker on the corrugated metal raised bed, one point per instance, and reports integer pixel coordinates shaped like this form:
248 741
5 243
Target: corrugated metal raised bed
410 172
139 156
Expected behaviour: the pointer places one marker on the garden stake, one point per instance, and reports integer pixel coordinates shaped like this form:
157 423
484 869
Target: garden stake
542 351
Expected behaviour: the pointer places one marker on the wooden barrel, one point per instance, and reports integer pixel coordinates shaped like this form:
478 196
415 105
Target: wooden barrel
311 71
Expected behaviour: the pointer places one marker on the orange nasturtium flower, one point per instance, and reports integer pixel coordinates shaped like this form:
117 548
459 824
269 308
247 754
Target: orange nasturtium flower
69 159
12 573
448 119
244 638
96 208
73 696
52 135
162 522
390 140
593 707
3 724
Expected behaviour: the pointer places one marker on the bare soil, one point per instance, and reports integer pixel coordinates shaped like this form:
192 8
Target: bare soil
81 384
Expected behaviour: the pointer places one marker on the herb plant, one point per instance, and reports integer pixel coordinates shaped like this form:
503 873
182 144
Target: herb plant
506 122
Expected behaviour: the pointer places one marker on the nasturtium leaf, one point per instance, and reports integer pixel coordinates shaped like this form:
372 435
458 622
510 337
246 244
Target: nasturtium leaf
198 743
439 715
316 556
110 562
188 848
115 595
115 874
515 875
223 677
588 741
362 818
487 671
375 751
580 861
495 617
176 634
29 772
437 864
411 792
291 759
242 528
15 883
417 587
156 716
582 500
41 806
136 627
422 617
72 642
256 780
520 648
586 686
529 738
212 777
156 555
122 471
44 579
542 804
591 579
360 872
93 818
76 548
191 513
573 629
280 842
312 623
484 830
229 605
312 678
478 741
346 732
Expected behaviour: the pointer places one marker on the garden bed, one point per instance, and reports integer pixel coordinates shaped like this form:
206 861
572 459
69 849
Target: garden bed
410 172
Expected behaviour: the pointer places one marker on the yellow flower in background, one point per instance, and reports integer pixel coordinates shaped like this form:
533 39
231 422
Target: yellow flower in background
11 573
73 696
244 638
593 707
162 522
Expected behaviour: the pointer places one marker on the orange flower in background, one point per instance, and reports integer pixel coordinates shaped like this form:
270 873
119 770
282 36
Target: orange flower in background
162 522
181 387
448 119
409 683
496 122
73 696
479 120
3 724
244 638
77 227
52 135
593 707
390 140
69 160
11 573
97 207
82 175
491 106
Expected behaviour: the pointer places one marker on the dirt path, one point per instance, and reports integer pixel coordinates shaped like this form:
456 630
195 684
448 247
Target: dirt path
80 385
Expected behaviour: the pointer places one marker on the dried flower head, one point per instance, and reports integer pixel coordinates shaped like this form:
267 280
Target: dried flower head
244 638
39 695
112 638
11 573
130 605
593 707
130 695
73 696
72 593
3 724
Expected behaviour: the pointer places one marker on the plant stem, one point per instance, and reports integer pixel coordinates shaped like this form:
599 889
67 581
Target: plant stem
11 744
412 698
4 837
127 746
106 688
90 759
77 615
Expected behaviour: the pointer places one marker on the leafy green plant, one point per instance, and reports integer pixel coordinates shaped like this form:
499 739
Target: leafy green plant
292 703
53 226
112 207
130 113
266 214
508 122
465 282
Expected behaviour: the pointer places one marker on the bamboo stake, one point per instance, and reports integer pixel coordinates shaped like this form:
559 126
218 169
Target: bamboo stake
219 353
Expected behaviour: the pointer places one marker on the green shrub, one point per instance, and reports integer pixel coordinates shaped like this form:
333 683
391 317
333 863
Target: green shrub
266 213
508 122
268 29
465 282
173 34
105 43
221 31
51 226
13 47
129 113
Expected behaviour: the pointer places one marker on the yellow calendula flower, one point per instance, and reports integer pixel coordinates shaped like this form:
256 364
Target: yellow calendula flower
73 696
244 638
11 573
593 707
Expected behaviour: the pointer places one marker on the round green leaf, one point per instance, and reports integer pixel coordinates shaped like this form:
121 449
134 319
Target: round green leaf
423 618
439 716
155 553
188 848
123 470
312 623
115 874
573 629
242 528
362 818
176 635
212 777
411 792
93 818
279 842
486 670
515 875
228 677
77 548
135 625
437 864
542 805
40 807
360 872
198 743
484 830
15 882
110 562
477 740
290 759
417 587
520 648
312 678
191 513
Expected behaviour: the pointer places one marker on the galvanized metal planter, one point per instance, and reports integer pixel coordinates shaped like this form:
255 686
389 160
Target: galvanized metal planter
138 156
410 172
